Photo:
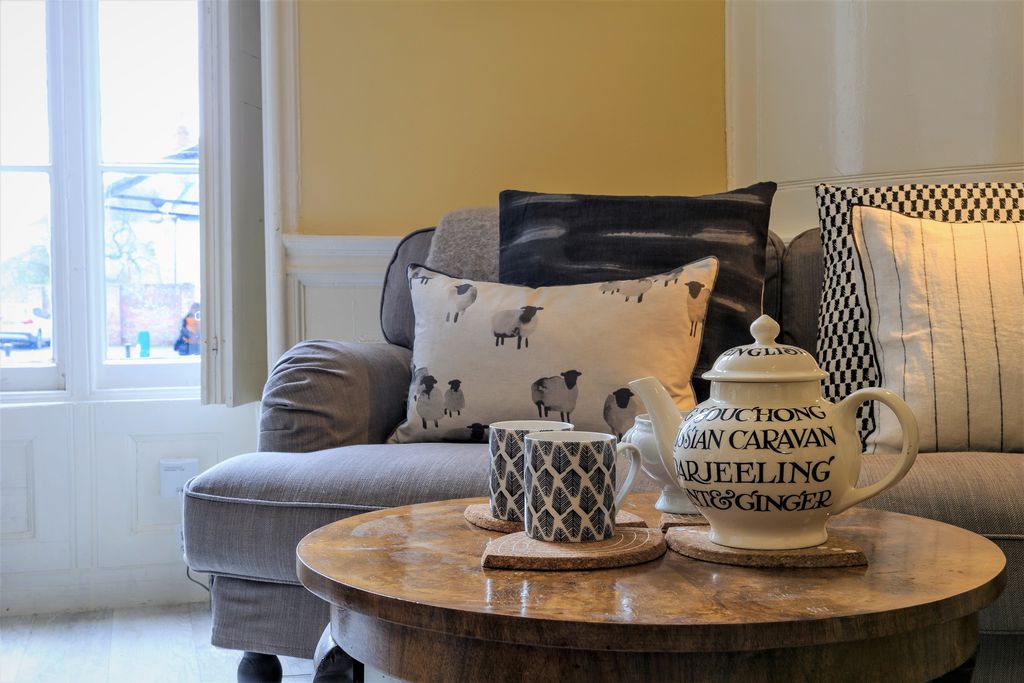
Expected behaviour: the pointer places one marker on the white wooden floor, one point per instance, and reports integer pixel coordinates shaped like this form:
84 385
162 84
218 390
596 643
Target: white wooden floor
142 645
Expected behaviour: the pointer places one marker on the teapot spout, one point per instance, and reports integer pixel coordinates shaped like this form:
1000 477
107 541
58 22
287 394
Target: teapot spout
664 414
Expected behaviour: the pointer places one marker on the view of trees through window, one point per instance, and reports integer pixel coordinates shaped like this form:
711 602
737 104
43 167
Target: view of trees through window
141 180
149 112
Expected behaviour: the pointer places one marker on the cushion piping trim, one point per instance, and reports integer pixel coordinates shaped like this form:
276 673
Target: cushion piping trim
283 503
247 577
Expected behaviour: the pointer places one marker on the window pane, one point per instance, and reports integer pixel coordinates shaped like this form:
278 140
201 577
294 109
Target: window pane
23 131
149 79
26 314
152 265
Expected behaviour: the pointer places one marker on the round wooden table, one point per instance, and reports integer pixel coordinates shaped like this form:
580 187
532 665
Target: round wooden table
410 599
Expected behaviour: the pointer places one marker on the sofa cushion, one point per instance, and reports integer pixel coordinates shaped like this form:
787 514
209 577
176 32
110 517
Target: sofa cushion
570 239
802 273
399 326
465 244
845 350
244 516
487 352
977 491
946 310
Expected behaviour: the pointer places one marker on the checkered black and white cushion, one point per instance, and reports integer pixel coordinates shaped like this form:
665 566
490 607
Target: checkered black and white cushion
845 349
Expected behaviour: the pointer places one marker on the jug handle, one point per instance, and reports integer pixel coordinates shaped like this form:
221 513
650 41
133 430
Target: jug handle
847 411
634 456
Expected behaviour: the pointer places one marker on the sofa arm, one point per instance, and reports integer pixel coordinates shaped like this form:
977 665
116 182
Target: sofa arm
324 394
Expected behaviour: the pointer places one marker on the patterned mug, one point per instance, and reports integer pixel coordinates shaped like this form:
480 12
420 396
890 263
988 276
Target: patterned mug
506 480
570 485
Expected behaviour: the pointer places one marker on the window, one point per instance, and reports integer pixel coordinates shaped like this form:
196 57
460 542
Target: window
99 195
26 329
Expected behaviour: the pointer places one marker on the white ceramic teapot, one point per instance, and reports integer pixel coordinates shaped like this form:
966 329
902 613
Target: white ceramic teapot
767 459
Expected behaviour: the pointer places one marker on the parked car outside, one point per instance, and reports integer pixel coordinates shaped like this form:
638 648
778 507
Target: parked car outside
23 324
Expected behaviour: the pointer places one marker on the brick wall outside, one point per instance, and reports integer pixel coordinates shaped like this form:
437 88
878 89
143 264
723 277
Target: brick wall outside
156 308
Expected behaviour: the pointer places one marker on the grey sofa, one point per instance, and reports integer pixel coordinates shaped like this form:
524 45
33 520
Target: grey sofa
328 406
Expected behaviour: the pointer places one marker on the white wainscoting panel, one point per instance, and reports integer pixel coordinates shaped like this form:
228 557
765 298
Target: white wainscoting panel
335 285
17 496
84 525
142 528
38 470
868 93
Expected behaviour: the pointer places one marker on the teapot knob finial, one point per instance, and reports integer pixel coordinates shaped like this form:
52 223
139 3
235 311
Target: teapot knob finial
765 330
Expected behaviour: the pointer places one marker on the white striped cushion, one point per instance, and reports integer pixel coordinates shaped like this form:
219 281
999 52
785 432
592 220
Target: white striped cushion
945 307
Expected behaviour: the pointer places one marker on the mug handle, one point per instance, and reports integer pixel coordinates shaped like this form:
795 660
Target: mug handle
633 453
847 410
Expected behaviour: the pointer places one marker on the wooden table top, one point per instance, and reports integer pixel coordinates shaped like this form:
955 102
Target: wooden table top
419 566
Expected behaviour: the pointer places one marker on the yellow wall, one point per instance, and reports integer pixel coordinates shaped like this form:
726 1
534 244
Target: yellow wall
411 109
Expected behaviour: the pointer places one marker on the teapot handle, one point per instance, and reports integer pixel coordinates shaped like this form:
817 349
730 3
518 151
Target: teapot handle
847 410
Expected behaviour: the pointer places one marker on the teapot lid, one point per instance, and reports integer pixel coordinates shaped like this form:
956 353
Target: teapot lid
764 360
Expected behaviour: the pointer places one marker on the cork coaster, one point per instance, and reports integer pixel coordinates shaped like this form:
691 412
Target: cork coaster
669 520
480 515
693 541
626 547
627 520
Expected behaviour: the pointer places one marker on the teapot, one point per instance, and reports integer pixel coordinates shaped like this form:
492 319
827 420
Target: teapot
767 459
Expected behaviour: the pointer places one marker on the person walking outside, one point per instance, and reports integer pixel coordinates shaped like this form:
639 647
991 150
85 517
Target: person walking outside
188 336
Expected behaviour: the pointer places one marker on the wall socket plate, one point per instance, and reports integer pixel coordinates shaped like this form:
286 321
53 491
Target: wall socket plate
175 473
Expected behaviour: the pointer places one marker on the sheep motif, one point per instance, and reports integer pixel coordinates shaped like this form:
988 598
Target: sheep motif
477 431
697 304
610 287
419 274
556 393
460 297
454 399
620 411
518 323
673 275
635 288
429 403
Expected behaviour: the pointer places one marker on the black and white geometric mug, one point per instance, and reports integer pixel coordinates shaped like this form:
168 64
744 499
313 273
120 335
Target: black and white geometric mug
570 485
507 463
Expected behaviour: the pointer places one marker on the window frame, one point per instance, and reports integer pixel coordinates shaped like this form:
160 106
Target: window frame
80 367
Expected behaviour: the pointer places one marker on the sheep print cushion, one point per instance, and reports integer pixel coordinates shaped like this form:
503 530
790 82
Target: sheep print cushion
486 352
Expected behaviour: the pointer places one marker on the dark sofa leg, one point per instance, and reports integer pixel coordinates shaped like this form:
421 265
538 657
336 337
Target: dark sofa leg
332 664
259 668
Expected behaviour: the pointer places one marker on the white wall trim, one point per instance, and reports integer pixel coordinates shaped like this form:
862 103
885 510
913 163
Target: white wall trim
77 590
983 173
279 26
324 252
214 196
740 89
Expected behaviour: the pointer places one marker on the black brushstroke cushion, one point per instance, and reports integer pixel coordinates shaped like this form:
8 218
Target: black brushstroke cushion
569 239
